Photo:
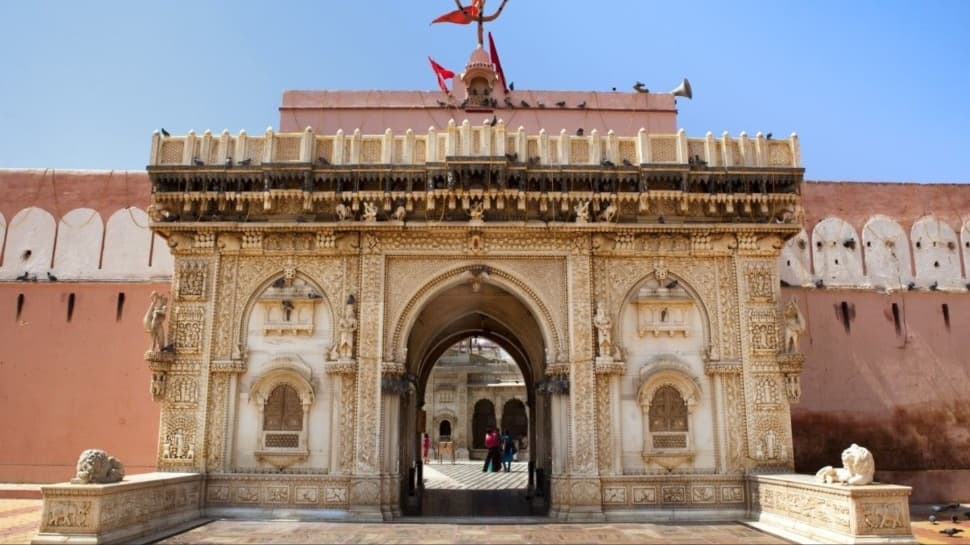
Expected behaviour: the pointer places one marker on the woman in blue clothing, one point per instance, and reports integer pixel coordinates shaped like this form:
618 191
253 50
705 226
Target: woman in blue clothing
508 450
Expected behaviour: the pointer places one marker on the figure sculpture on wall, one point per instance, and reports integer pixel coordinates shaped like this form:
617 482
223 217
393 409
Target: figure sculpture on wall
347 326
399 213
370 212
343 212
794 326
604 334
582 211
154 321
477 213
858 468
608 213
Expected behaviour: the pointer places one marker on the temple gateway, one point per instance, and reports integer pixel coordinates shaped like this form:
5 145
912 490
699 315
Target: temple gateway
628 272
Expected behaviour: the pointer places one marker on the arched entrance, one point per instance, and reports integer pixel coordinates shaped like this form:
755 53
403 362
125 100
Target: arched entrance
477 310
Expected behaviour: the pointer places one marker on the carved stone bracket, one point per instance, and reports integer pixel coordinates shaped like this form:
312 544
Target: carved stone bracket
341 367
159 362
723 367
606 365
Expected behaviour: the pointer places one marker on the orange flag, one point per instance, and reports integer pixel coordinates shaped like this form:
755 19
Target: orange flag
442 74
461 16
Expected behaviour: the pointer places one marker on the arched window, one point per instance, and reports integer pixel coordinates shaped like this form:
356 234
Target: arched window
283 396
444 429
668 411
283 411
667 396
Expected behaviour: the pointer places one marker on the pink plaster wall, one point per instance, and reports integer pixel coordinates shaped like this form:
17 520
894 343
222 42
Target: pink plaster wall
902 395
69 386
375 111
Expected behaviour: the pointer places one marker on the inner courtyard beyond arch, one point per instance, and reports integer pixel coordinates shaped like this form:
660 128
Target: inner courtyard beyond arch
474 349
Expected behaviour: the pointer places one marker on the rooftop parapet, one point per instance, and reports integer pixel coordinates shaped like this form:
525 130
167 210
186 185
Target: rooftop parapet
489 140
482 174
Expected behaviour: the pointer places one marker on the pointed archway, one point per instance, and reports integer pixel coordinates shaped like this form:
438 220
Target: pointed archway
489 311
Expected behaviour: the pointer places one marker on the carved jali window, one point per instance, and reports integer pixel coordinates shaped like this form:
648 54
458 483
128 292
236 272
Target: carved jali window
283 411
283 396
667 396
668 411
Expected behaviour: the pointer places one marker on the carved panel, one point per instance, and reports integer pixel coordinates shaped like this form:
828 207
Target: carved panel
760 279
644 495
189 321
191 280
764 330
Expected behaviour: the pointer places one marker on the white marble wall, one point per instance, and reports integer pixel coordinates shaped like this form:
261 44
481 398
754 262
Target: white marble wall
642 352
930 257
311 350
80 246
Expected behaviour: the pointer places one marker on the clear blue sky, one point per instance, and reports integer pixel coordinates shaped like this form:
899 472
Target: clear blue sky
876 90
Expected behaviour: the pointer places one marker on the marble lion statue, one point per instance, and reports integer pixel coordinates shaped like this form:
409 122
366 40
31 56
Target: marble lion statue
858 468
94 466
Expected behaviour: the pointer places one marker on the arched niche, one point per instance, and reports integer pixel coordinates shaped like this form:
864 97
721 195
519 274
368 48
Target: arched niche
652 341
936 254
887 257
668 397
78 250
275 346
30 245
282 397
444 429
837 253
127 245
795 261
483 418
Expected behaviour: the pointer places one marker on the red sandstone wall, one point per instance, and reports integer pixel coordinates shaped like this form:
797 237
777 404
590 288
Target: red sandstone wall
68 386
856 202
60 191
902 395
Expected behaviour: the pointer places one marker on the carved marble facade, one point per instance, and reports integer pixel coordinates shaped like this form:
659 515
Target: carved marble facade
306 317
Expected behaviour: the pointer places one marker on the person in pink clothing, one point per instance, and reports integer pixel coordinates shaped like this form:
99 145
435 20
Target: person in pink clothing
493 459
425 447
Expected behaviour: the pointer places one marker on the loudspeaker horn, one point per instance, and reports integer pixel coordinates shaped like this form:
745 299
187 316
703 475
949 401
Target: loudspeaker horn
683 90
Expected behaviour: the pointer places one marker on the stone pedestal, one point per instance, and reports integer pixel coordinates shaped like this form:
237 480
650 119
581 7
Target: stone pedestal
141 506
799 508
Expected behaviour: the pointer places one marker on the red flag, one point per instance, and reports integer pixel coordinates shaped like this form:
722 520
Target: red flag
461 16
442 74
497 63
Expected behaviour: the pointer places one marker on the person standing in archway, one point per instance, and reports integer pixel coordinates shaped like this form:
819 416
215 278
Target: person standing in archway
508 450
493 458
425 447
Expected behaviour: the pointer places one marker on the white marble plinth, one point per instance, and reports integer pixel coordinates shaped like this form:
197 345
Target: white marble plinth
799 508
140 506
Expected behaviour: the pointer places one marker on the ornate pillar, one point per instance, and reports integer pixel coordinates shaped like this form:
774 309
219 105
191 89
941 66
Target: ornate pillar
768 419
585 502
365 489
